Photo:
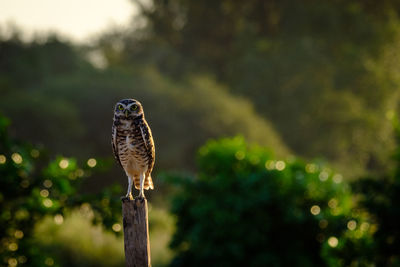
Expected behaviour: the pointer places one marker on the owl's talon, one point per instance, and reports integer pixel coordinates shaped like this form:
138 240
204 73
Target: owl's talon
125 198
141 195
140 198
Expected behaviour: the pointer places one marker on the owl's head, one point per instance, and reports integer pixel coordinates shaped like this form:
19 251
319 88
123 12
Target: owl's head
128 108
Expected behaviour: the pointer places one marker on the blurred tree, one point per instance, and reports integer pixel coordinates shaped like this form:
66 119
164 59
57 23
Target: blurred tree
183 115
32 187
246 209
24 64
27 65
313 68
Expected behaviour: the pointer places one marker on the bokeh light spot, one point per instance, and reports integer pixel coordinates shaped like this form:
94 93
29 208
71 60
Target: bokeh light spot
332 203
323 176
3 159
16 158
48 183
311 168
315 210
47 203
12 262
270 165
333 241
351 225
91 162
58 219
63 163
364 226
116 227
337 178
13 246
79 172
19 234
280 165
44 193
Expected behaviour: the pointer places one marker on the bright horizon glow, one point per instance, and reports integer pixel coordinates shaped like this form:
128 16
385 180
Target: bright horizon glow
75 20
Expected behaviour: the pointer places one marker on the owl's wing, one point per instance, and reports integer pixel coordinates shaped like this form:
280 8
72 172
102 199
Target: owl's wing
149 144
114 144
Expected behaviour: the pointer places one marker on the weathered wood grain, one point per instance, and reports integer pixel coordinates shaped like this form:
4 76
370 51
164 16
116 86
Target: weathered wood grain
136 232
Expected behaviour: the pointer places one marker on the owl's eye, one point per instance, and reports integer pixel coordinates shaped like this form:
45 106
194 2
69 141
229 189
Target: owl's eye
120 107
134 107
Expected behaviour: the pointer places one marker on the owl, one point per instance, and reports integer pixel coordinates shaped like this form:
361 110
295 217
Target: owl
133 145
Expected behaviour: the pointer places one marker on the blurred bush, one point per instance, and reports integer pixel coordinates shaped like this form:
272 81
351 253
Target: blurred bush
380 197
33 187
244 208
76 242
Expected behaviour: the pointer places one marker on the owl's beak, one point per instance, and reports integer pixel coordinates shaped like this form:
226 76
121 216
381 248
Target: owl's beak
126 113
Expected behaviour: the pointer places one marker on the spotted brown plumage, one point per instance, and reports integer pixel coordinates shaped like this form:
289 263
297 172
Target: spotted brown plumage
133 144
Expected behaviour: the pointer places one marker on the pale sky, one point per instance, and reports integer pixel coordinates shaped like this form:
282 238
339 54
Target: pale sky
75 19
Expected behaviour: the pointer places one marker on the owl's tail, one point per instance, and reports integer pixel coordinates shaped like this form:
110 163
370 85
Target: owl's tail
148 183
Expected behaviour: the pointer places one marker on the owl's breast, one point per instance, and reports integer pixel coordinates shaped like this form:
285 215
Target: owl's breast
132 152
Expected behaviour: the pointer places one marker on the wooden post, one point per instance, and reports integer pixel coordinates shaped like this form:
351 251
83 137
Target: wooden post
136 232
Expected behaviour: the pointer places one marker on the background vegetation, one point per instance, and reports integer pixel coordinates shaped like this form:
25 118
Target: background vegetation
311 88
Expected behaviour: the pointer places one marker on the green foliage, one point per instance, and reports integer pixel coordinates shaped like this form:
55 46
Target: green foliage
26 64
80 96
379 196
313 69
76 242
318 77
33 187
161 228
245 208
310 71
